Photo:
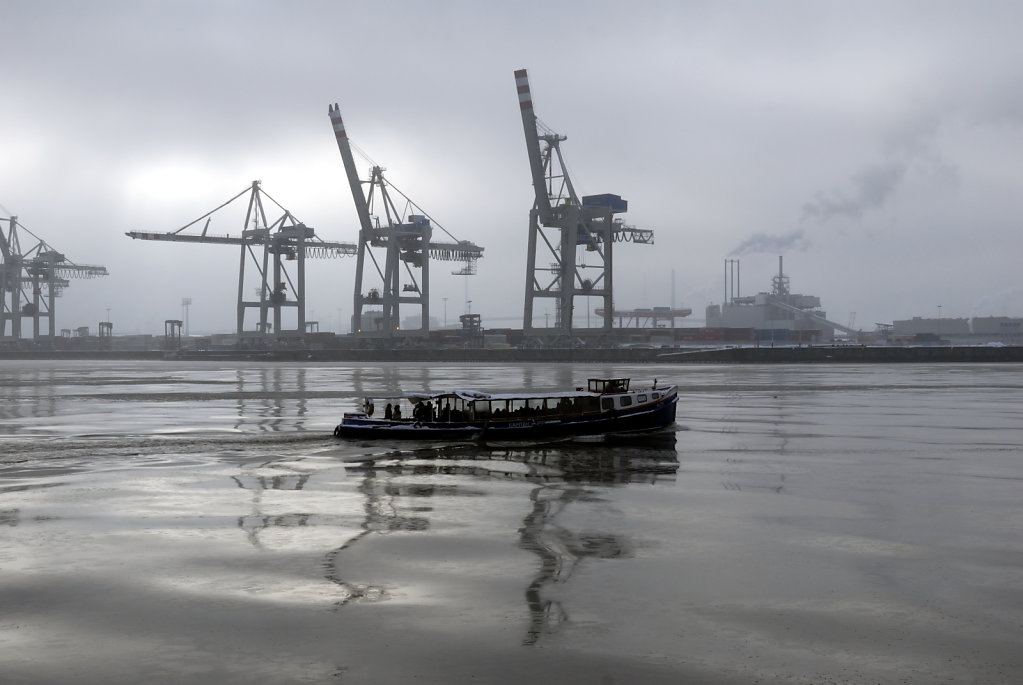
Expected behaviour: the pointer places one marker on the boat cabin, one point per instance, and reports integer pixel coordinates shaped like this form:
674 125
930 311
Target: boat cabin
606 385
601 395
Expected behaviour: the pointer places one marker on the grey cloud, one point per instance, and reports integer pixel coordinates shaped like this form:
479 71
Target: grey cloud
144 115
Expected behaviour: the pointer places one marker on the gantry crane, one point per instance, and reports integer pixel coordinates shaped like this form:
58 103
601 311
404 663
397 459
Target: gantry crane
32 279
284 240
565 223
406 238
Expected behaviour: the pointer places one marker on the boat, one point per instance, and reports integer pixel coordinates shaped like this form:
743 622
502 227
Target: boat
607 406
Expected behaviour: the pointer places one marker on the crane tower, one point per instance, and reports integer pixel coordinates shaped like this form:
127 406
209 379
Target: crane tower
573 235
31 280
405 237
269 247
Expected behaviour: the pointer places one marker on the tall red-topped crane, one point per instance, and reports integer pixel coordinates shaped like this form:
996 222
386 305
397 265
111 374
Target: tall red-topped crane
405 237
32 278
573 235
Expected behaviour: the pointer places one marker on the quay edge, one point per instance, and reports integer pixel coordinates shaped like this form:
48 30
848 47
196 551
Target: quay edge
839 354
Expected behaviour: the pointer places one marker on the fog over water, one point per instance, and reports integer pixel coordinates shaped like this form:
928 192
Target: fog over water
196 522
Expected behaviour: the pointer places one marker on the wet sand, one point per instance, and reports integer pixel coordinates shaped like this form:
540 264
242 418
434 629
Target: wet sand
196 522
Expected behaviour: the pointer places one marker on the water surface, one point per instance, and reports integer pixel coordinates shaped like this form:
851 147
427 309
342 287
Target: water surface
196 522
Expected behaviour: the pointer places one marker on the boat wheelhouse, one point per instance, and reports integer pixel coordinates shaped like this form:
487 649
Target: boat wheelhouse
605 406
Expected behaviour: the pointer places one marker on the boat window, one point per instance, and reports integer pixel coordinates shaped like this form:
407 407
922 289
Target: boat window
655 395
459 410
641 398
481 409
607 403
587 405
444 409
517 407
626 401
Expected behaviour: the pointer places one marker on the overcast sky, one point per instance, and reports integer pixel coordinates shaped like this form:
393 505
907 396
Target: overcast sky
878 146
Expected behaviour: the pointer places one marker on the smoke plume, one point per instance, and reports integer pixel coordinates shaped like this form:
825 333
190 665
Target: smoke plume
765 242
1005 303
871 188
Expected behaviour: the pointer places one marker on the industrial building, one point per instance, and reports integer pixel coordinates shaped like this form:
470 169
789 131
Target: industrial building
978 330
779 316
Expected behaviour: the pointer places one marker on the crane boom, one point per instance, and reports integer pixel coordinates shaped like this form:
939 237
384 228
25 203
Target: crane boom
536 157
313 248
361 207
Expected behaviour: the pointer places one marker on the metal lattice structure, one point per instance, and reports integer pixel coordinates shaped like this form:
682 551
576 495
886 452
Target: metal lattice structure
269 246
32 278
397 242
574 236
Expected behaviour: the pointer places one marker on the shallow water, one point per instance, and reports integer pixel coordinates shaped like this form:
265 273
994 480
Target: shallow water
196 522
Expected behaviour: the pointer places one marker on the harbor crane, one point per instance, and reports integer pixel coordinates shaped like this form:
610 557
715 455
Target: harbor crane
31 279
269 246
574 235
405 236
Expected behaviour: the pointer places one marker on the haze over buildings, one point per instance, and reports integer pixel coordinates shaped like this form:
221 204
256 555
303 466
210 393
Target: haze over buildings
876 145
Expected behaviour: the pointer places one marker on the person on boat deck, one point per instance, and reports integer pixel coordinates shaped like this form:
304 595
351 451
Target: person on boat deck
396 415
445 414
429 411
388 411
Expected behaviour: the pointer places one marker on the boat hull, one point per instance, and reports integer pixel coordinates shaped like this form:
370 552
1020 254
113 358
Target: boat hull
652 417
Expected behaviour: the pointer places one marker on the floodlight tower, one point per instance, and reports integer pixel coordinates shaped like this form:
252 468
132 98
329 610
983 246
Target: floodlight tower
186 302
564 224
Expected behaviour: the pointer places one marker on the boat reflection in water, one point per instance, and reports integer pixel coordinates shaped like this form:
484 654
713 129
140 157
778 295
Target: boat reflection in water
561 475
